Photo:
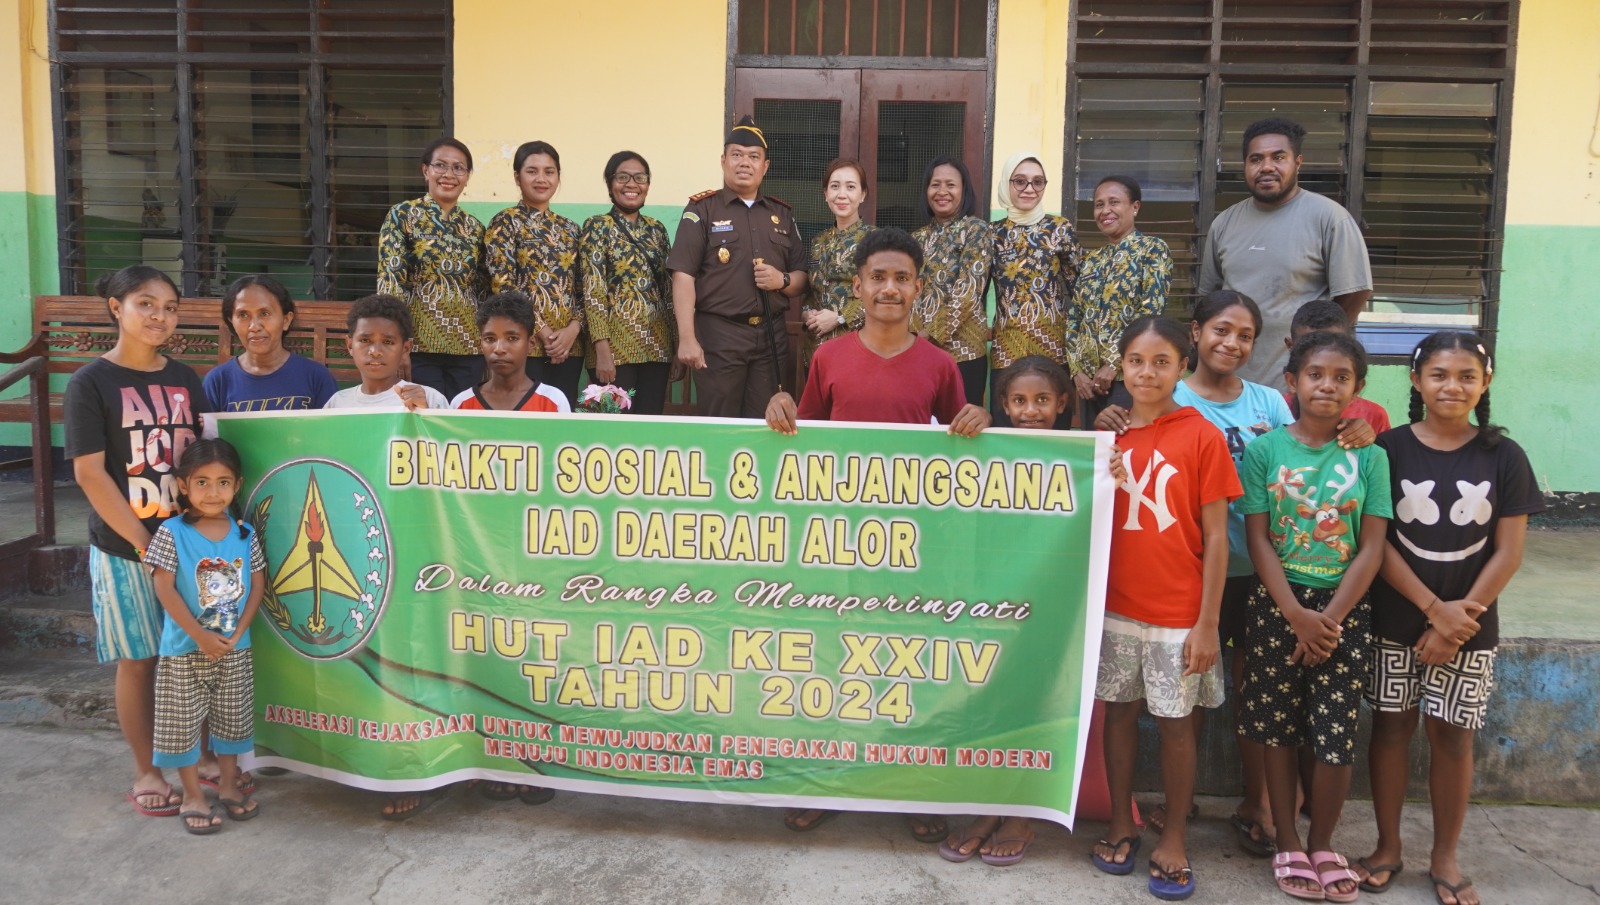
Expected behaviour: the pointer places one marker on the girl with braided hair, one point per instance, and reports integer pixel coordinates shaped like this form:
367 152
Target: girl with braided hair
1463 492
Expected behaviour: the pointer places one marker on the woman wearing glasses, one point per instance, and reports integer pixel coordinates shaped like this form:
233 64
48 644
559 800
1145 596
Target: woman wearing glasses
831 308
430 254
1036 259
627 293
956 248
533 251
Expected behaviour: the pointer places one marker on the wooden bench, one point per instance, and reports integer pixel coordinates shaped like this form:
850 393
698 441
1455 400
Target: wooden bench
72 330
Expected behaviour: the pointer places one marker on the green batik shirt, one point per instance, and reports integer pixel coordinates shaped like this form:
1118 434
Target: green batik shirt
536 253
832 285
627 291
1117 285
434 262
955 276
1035 271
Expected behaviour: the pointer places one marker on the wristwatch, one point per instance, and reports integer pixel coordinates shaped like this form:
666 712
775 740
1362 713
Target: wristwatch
785 281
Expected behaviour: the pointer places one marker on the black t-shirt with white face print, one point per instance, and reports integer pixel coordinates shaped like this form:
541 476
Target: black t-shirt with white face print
142 421
1447 505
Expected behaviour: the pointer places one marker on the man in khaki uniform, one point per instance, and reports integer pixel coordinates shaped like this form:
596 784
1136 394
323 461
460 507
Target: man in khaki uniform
735 262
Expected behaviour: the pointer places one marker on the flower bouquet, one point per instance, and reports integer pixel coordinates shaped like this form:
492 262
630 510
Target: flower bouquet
605 400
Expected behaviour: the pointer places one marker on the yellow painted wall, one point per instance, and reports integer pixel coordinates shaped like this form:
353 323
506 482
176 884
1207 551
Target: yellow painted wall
26 138
1030 96
649 77
1555 119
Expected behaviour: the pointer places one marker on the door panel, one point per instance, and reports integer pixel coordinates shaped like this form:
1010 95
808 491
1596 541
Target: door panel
909 118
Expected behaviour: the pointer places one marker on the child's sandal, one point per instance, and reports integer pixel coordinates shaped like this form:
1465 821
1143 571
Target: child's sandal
1288 866
1331 875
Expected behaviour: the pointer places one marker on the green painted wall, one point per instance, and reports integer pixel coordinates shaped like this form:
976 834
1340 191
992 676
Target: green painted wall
27 268
1543 389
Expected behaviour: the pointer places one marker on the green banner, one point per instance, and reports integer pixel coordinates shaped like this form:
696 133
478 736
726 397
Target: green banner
857 617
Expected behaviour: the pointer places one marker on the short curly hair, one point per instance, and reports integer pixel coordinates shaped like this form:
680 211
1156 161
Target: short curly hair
384 306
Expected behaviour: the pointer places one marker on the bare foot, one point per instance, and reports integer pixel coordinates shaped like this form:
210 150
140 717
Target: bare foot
927 827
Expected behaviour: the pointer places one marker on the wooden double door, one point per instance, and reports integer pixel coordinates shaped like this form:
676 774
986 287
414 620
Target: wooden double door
893 121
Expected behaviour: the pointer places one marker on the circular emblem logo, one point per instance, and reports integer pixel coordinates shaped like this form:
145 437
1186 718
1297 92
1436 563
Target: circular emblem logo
329 562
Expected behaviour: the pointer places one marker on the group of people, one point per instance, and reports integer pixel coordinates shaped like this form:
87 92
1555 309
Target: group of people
1263 507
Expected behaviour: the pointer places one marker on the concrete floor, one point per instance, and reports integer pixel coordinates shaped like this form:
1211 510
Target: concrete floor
67 835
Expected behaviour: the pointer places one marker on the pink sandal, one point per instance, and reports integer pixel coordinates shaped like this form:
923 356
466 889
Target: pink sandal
1295 865
1329 876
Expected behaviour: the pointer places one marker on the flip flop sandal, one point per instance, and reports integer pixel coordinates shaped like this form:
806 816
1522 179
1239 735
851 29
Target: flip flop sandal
1007 860
1328 876
1172 885
1245 830
1393 870
536 795
193 830
165 810
1292 865
429 798
1453 888
228 805
1112 867
245 788
928 834
791 821
495 790
1159 824
955 855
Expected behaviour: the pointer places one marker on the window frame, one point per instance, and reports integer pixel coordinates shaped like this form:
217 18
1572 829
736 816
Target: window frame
314 62
1359 75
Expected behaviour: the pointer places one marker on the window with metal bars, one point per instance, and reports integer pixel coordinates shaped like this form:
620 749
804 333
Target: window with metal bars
214 138
881 28
1406 105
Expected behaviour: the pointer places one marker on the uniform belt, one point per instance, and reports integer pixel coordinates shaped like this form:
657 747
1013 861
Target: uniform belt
752 320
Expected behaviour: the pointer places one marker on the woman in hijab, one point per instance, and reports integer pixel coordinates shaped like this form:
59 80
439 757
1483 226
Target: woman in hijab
1035 271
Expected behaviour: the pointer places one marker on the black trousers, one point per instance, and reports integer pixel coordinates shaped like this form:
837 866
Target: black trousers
449 374
648 380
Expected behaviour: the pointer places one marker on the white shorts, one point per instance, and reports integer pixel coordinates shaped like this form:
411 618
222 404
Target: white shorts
1140 660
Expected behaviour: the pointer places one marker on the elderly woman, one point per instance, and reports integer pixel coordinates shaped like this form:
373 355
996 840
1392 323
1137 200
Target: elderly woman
1119 282
831 308
265 376
627 291
430 254
957 249
534 251
1035 271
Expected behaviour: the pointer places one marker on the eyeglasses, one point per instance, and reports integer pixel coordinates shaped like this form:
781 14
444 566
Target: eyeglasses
1037 183
631 179
450 169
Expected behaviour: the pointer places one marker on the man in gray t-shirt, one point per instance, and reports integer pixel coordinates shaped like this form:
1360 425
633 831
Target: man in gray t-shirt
1283 247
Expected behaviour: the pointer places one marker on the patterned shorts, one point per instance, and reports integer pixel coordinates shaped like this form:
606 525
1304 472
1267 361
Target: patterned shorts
190 690
1236 593
1456 692
1140 660
1288 705
127 614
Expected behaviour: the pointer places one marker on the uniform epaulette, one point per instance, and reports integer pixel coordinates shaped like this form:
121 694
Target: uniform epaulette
703 195
780 201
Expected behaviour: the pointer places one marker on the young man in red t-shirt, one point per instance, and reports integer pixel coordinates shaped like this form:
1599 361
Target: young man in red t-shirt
884 374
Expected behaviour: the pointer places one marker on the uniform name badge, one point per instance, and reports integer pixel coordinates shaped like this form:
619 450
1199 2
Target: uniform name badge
722 255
